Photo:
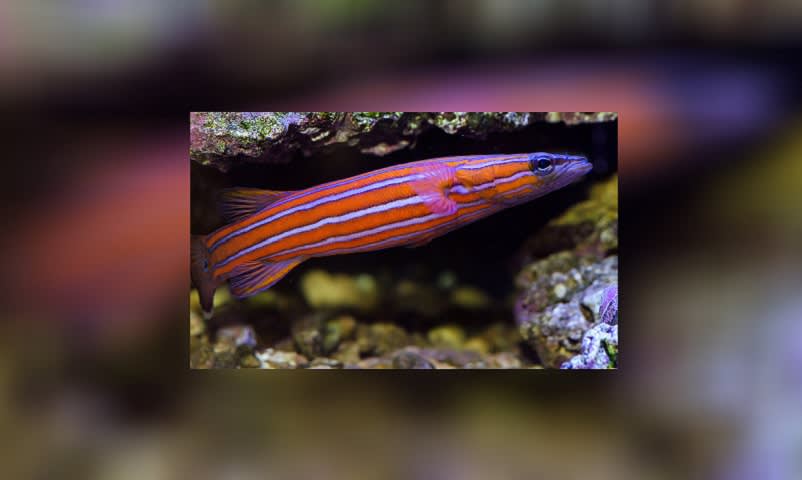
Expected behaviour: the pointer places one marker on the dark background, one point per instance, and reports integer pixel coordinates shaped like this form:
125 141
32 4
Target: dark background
93 370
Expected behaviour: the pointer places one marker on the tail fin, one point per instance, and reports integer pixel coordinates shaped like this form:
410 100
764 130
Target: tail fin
202 274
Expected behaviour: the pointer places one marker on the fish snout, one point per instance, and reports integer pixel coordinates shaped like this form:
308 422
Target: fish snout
580 164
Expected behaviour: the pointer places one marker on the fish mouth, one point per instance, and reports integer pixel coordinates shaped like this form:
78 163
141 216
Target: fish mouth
573 171
578 167
581 166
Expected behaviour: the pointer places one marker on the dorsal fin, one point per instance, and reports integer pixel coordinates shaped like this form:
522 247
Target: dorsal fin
238 203
254 277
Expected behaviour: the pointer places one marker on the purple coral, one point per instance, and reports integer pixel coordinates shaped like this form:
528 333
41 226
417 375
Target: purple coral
608 312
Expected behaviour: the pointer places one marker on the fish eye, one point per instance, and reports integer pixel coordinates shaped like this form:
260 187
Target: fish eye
542 165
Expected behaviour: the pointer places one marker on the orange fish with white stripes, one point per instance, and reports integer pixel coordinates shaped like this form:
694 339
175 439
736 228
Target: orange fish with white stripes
271 232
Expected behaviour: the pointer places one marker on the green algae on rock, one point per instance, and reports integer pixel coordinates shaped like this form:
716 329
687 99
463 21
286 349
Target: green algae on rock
224 139
589 227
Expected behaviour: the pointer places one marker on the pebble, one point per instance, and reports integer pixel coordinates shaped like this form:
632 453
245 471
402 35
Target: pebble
270 358
450 336
323 290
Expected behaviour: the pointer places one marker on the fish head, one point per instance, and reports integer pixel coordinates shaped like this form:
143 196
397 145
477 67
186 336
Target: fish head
552 171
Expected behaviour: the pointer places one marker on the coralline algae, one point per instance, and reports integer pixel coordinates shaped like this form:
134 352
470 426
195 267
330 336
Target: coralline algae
599 349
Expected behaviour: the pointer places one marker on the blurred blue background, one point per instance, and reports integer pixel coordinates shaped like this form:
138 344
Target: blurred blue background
97 93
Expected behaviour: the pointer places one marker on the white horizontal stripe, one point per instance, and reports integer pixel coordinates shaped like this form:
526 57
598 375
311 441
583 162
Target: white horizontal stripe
364 233
401 239
478 166
315 203
522 198
326 221
373 231
483 186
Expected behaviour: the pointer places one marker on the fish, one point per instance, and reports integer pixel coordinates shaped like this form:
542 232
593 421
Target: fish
268 232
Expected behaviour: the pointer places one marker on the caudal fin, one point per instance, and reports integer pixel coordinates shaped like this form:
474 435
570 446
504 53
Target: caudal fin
202 274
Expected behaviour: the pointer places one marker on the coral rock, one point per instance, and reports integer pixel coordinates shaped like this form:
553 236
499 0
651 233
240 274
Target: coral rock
553 321
599 349
270 358
381 338
225 139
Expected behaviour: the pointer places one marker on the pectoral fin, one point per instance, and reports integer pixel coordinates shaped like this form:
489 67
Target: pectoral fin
433 187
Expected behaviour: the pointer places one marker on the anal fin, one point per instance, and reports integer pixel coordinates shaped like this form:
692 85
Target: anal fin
238 203
254 277
419 243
